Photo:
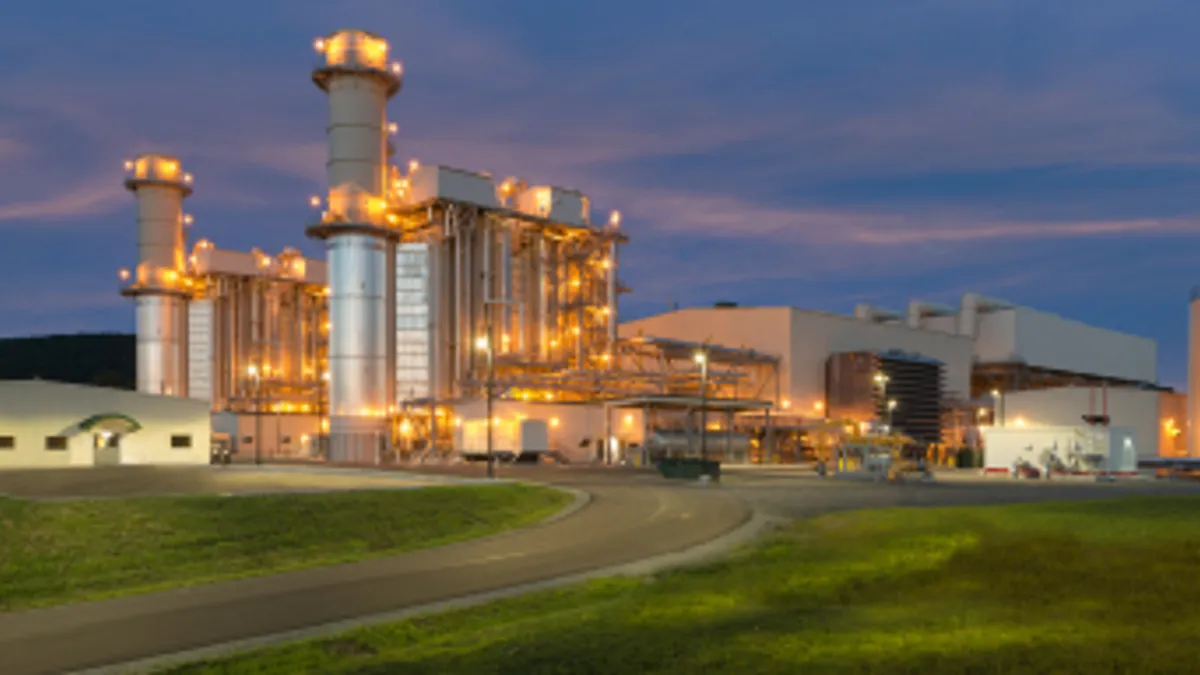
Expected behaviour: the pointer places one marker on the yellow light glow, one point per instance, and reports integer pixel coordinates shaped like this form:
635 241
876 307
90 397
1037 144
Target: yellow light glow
819 406
187 178
124 274
553 343
628 420
167 168
397 68
325 425
549 396
413 165
393 127
1020 421
188 219
458 421
406 428
129 165
575 330
481 343
785 404
314 201
170 276
319 44
554 422
614 219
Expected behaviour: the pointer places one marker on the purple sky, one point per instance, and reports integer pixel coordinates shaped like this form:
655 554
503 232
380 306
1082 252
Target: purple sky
813 153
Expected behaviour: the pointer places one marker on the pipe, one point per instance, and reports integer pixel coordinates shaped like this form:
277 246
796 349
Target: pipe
919 309
543 297
612 301
969 308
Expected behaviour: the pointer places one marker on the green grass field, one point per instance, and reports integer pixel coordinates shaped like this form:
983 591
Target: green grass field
55 552
1100 587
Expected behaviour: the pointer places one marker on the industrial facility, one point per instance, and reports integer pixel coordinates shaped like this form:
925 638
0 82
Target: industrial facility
458 314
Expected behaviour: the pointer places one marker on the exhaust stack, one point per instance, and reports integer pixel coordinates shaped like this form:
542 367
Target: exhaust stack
159 285
358 79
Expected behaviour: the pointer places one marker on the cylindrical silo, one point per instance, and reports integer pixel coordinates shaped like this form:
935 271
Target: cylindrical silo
355 74
160 185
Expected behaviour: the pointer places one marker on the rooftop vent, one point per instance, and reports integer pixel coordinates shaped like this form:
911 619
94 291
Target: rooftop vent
724 304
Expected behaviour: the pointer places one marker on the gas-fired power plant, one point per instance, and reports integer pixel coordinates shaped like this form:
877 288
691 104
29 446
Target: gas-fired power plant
456 314
437 282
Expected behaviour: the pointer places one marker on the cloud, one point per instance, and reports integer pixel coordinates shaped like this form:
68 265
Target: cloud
97 195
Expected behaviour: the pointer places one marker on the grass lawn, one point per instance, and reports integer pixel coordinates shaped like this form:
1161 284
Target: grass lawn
1100 587
55 552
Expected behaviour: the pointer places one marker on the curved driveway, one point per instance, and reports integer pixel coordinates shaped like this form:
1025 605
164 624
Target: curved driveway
623 523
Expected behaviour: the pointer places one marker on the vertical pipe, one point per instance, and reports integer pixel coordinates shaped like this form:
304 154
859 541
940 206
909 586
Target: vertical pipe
542 278
390 325
578 299
504 284
612 302
460 292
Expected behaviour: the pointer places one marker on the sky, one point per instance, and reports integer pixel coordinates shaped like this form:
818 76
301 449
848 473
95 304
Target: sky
816 154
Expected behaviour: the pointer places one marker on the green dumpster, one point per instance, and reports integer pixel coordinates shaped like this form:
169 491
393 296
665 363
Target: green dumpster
688 468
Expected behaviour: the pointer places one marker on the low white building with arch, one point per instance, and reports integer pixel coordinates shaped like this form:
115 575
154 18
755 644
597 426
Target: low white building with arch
45 424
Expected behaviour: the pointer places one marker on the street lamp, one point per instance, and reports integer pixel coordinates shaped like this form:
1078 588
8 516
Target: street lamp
253 370
484 344
998 406
701 359
891 406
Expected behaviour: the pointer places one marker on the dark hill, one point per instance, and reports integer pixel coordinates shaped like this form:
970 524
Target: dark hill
105 359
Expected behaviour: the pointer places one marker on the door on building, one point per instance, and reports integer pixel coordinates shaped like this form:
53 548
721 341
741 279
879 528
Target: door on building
107 448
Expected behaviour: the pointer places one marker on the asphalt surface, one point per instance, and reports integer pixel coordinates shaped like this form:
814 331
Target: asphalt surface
623 523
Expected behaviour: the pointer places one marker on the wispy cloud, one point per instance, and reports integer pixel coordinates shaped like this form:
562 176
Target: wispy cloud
96 196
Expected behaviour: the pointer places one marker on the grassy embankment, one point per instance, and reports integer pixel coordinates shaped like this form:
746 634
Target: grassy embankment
1097 587
55 552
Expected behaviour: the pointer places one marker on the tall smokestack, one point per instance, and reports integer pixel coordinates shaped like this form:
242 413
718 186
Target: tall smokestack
157 286
355 73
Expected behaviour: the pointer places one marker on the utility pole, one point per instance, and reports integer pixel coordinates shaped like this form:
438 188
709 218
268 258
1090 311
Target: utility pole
702 360
257 413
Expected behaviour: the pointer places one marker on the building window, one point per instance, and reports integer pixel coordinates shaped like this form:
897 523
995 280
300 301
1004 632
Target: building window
56 442
181 441
8 442
287 440
247 439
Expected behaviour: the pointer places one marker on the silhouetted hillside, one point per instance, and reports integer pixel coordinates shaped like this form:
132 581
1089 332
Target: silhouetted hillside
105 359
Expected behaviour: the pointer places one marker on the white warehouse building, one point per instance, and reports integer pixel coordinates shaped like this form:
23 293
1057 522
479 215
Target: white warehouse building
47 424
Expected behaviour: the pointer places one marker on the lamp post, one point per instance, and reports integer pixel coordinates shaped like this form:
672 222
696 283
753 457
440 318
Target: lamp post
891 407
998 406
484 344
253 370
702 360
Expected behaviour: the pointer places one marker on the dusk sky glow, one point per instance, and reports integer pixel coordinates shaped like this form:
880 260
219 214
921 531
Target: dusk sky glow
815 153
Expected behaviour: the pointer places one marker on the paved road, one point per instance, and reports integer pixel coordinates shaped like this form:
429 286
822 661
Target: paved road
623 523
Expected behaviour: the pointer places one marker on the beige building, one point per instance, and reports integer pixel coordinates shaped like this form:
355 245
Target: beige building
47 424
805 339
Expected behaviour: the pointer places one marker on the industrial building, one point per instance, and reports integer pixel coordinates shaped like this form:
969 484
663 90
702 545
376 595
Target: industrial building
51 424
455 312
